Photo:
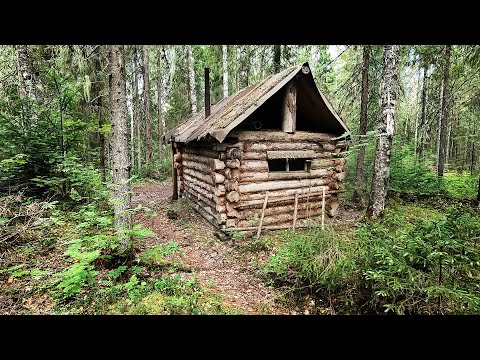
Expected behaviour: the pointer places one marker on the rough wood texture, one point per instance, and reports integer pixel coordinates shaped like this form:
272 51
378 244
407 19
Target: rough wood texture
283 146
442 146
280 136
205 169
289 108
262 215
385 128
277 185
284 175
200 176
233 164
296 209
292 154
119 140
288 192
233 196
283 201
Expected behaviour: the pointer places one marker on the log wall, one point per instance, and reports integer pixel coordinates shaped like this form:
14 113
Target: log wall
228 181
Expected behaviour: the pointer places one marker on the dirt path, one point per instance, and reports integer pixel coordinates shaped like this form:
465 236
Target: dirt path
215 263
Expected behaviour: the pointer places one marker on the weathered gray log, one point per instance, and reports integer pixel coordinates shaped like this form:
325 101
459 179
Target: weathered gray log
233 196
282 146
201 152
252 204
200 176
290 154
339 176
287 192
231 185
328 146
218 178
220 218
197 166
274 219
254 165
232 223
284 175
285 184
218 164
262 155
289 108
262 215
295 210
280 136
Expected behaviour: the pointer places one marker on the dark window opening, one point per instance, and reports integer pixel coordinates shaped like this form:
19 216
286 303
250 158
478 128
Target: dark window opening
276 165
289 165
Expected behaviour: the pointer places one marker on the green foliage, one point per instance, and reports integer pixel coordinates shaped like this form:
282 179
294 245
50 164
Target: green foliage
423 264
74 181
315 258
157 254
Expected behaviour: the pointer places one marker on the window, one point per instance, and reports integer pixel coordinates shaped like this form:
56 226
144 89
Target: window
290 165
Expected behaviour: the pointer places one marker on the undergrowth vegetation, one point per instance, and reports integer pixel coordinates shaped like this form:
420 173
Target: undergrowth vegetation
417 260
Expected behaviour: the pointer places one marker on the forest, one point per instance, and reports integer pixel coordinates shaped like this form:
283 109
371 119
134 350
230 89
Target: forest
87 220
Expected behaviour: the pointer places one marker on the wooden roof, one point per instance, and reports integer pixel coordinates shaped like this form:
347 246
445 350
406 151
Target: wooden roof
232 110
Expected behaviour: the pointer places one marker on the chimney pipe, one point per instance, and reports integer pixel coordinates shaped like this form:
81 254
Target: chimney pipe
207 92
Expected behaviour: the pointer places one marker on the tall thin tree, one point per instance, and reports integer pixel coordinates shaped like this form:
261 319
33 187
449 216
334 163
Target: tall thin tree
423 117
148 115
362 132
191 77
443 118
137 111
277 55
385 129
159 102
225 70
120 161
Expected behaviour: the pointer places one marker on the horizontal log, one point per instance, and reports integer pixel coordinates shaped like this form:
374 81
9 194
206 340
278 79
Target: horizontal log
232 174
201 152
233 153
199 175
339 176
284 175
225 146
220 218
233 196
281 209
231 223
254 165
217 204
292 154
198 182
328 146
194 204
218 178
218 164
247 204
285 184
198 158
279 136
283 193
231 185
286 146
262 155
206 169
277 218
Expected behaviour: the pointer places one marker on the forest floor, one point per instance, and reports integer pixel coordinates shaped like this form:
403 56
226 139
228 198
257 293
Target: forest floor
218 265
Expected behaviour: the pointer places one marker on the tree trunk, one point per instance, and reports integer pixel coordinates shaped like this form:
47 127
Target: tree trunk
191 77
159 102
277 52
385 130
137 111
121 165
478 191
423 119
148 115
443 120
25 73
225 70
97 85
362 132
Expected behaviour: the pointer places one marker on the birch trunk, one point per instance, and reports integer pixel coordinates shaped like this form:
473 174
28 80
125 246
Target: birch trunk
148 115
191 77
385 130
25 73
121 165
443 119
359 178
225 70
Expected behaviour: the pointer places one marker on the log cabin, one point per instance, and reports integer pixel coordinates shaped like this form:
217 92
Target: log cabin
271 155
